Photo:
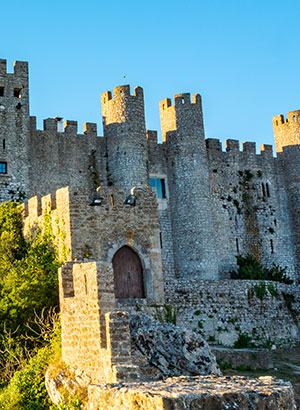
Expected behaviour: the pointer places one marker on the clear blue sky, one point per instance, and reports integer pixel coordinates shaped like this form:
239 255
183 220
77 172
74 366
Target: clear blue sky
241 56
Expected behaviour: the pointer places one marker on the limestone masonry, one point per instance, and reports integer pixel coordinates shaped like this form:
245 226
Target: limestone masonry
142 225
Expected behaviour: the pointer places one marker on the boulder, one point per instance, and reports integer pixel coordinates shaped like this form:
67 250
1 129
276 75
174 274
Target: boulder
173 350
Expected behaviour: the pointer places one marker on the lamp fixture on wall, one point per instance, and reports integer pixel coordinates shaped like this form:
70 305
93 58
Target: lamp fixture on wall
131 199
97 199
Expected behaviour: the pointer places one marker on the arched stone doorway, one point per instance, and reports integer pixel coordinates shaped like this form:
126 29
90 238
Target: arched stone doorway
128 274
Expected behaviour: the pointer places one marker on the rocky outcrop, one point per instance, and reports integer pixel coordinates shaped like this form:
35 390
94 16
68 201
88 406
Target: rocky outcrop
61 386
173 350
195 393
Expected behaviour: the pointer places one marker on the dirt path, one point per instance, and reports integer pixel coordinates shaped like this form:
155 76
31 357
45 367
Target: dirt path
286 367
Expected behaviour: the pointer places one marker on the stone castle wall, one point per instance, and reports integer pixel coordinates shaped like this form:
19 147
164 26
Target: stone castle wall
14 131
249 202
66 158
208 194
223 310
95 337
95 233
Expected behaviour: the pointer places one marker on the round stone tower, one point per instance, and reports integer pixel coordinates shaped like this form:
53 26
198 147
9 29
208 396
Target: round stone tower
287 138
125 130
189 188
287 131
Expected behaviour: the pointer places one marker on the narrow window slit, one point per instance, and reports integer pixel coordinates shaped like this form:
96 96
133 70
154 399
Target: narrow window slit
236 221
237 245
85 284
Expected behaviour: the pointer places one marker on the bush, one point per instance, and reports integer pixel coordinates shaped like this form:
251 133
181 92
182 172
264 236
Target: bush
250 268
26 389
244 341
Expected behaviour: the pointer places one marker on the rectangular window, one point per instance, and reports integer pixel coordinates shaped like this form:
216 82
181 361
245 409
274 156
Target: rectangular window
1 91
159 184
3 168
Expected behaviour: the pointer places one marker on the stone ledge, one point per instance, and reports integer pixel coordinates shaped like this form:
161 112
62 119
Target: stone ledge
191 393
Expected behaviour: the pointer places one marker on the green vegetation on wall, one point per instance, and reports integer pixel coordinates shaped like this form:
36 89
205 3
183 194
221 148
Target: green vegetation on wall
250 268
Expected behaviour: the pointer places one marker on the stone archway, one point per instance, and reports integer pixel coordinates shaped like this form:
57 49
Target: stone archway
128 274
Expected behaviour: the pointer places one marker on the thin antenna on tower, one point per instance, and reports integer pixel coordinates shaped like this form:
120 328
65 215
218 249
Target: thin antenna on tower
124 78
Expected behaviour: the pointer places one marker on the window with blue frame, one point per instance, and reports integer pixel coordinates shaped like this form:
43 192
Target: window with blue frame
3 168
159 184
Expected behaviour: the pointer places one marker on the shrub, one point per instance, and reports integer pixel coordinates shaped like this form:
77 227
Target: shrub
26 389
250 268
166 314
244 341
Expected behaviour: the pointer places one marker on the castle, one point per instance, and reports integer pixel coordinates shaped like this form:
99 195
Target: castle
146 223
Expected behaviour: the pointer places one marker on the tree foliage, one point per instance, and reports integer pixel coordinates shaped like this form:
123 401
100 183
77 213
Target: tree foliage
28 280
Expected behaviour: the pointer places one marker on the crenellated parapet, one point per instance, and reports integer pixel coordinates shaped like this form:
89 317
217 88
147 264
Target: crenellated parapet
14 84
20 68
123 107
68 126
185 116
287 130
214 149
122 92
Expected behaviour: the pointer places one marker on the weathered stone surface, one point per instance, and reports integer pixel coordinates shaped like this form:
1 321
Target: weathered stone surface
253 358
172 349
60 386
195 393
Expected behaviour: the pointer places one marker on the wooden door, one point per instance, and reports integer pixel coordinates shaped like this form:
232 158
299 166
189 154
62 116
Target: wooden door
128 274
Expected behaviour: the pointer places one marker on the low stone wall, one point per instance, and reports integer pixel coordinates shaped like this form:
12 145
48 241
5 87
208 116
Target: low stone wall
191 393
243 358
223 310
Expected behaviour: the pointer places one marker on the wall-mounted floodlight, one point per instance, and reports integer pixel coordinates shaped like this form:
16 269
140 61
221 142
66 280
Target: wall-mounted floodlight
97 199
131 199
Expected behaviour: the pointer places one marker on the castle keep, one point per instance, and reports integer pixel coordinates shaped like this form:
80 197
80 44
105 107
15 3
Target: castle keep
142 223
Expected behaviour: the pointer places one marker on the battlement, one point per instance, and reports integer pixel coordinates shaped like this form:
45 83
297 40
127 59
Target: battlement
292 117
122 91
286 130
37 206
180 100
90 128
185 116
233 146
69 126
20 68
